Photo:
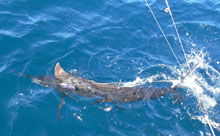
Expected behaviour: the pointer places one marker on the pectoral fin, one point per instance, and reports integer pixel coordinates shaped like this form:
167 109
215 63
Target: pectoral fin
60 105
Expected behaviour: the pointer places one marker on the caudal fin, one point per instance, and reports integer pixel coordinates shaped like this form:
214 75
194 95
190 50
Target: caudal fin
59 71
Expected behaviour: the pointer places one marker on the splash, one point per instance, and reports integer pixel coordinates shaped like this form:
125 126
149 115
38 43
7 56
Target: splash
202 84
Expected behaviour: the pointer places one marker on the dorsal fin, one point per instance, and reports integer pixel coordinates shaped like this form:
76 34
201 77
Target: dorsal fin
59 71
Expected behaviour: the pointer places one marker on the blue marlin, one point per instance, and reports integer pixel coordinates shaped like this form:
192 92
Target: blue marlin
70 85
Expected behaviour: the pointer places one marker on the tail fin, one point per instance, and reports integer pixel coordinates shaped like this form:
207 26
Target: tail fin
58 71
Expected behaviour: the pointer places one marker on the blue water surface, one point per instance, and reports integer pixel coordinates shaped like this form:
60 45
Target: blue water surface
105 41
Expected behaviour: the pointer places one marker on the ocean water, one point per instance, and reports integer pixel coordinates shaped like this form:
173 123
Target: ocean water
109 41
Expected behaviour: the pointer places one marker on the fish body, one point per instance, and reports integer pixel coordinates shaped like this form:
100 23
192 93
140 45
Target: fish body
108 92
70 85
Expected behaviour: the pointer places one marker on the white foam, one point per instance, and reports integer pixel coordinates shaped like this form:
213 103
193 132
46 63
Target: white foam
201 83
204 120
108 109
136 82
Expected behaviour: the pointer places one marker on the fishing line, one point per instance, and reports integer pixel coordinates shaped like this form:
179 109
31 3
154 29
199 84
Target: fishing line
180 41
162 32
191 70
184 77
200 101
206 116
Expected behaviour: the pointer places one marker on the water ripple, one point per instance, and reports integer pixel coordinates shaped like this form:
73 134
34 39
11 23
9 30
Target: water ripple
109 41
13 33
